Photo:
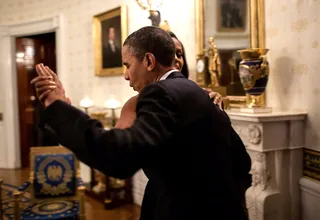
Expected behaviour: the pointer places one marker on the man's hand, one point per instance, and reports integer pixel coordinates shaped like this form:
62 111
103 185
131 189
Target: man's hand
48 86
216 97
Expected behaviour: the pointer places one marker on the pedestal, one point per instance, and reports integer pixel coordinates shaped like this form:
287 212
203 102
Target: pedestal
274 142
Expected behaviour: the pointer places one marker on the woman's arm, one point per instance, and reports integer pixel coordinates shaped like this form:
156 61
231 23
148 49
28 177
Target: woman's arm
128 113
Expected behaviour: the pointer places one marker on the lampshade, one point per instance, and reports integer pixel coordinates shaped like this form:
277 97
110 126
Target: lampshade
112 103
149 4
86 102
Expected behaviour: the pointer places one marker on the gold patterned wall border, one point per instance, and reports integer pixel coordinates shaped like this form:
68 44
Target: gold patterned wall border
311 164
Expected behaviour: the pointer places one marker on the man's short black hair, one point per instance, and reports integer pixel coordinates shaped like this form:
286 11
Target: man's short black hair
153 40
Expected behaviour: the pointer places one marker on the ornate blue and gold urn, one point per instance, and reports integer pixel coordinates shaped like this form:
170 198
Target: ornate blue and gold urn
254 75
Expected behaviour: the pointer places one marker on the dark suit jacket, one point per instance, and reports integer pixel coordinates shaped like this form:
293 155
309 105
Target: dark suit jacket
111 59
180 139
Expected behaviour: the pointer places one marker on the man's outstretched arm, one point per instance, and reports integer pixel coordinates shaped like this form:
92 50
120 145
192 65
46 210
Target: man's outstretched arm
116 152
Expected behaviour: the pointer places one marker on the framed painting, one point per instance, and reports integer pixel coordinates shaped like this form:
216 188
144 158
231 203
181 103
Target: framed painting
109 32
232 15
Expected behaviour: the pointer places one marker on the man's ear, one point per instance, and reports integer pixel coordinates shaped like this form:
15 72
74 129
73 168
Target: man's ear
150 61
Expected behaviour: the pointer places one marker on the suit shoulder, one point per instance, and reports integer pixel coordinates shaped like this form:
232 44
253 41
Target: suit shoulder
181 86
154 91
152 88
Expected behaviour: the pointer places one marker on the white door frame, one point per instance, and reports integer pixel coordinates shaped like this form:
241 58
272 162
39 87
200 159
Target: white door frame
8 79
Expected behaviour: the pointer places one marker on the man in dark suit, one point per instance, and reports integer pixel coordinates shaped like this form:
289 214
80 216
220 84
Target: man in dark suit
182 141
111 54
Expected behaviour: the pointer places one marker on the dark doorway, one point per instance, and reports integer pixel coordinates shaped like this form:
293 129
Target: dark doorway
31 50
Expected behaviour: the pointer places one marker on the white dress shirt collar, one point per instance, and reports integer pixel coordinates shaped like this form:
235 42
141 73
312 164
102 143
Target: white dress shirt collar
164 76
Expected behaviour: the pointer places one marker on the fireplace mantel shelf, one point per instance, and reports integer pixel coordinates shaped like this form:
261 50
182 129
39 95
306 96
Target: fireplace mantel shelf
266 117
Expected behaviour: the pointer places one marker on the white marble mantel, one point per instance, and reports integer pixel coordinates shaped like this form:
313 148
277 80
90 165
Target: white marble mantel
275 142
266 117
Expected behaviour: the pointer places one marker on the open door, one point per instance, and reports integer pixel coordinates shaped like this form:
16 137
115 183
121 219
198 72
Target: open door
31 50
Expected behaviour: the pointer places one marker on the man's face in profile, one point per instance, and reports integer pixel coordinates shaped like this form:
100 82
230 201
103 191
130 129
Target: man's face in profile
112 33
136 72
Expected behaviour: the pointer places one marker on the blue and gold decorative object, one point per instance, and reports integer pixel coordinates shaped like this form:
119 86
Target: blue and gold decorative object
57 209
55 188
54 175
254 75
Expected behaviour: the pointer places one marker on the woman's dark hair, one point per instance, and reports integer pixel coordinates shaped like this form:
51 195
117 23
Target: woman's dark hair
184 70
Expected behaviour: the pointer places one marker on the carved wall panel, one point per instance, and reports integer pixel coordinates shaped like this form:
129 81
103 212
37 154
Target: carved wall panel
251 134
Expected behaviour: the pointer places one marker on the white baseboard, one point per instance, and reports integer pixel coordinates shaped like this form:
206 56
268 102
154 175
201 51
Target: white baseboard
310 198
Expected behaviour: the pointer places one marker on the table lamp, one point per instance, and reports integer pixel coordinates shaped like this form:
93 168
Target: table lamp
86 103
113 104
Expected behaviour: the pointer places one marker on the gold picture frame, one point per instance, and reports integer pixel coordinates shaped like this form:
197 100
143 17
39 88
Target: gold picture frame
256 27
110 30
232 19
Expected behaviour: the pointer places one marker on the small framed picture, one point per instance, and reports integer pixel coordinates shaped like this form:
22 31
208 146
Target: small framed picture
232 15
110 30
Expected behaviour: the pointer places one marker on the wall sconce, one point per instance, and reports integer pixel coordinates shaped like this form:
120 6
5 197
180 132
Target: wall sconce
155 16
113 104
86 103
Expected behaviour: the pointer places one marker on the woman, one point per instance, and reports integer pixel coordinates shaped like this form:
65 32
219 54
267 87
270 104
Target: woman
128 111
